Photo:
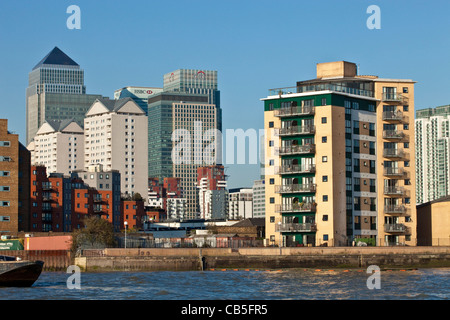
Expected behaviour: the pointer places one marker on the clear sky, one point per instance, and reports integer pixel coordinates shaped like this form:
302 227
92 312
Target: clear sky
254 45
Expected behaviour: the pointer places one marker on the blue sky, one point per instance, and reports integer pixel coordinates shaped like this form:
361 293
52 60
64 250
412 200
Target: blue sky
253 44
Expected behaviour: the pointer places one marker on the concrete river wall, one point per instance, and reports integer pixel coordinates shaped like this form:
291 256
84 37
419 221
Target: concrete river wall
184 259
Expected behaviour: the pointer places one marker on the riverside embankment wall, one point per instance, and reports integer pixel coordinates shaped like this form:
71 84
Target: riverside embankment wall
182 259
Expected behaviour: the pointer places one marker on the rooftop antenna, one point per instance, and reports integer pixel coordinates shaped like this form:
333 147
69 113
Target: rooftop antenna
357 69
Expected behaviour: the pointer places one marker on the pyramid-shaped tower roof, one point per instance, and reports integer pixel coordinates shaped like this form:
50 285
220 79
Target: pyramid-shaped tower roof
56 56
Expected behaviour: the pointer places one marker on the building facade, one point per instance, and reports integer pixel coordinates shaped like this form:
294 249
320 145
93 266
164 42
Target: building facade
59 146
432 153
212 193
56 91
14 182
339 150
259 199
115 134
240 204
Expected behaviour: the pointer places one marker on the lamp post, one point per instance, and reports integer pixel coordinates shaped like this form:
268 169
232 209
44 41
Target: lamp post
126 224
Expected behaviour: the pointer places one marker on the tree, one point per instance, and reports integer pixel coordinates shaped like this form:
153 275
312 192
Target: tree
97 233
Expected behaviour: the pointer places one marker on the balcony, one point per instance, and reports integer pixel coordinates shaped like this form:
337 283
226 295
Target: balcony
294 111
46 208
392 116
296 188
393 191
393 134
296 149
47 187
393 97
295 130
295 168
295 207
394 172
395 228
394 209
393 153
46 198
296 227
98 199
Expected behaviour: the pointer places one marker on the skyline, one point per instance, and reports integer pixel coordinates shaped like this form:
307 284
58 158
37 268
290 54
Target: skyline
254 46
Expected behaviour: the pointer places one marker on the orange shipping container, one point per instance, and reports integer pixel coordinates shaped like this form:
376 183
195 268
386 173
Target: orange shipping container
48 243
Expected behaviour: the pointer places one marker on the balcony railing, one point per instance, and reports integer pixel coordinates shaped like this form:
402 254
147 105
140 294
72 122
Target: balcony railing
295 207
296 149
98 199
393 116
295 168
393 208
393 191
393 153
393 97
296 227
295 130
321 87
294 111
295 188
391 172
395 228
393 134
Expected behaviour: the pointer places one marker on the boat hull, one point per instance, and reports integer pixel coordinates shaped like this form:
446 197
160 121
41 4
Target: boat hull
20 274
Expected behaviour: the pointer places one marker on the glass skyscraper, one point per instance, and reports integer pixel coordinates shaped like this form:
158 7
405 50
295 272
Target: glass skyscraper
56 91
190 97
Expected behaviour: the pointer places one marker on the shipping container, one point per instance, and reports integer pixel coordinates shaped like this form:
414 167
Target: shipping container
48 243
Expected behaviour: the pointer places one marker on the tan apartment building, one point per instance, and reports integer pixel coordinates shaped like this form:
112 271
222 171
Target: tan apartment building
337 164
115 136
14 183
433 222
59 146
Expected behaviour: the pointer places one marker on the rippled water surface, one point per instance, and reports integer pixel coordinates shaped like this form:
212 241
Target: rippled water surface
302 284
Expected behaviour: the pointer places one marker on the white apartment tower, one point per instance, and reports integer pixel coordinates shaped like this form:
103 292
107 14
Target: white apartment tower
59 146
432 153
115 133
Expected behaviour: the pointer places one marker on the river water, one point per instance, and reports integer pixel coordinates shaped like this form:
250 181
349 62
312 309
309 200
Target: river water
287 284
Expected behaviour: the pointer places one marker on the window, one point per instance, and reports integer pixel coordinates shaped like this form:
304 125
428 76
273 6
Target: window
325 198
4 203
405 89
324 178
324 119
272 200
271 143
325 217
4 218
5 144
324 159
405 108
406 127
4 188
271 162
272 181
272 219
270 106
325 237
271 124
406 163
324 101
406 145
4 173
324 139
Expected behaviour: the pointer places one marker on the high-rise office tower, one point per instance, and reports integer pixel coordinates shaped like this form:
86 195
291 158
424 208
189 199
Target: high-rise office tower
59 146
56 91
115 134
339 157
139 94
188 105
432 153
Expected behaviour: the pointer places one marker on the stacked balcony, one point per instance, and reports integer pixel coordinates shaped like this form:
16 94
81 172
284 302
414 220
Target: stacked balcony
393 135
394 209
296 149
296 188
393 191
296 227
393 153
394 172
395 228
393 116
294 111
295 130
295 207
296 169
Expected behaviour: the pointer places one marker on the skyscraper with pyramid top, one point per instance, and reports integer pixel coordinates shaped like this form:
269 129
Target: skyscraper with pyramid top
56 91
